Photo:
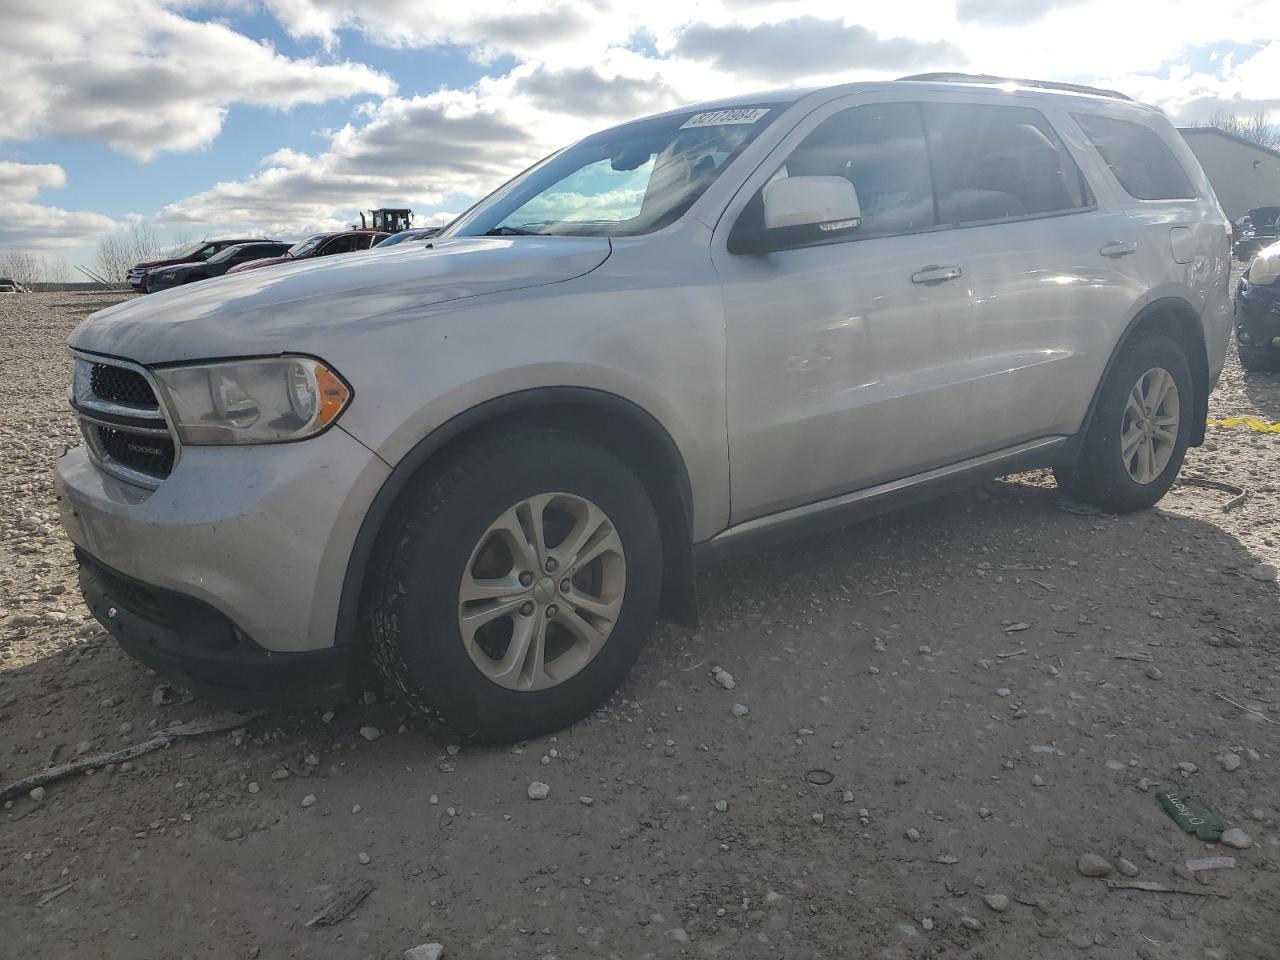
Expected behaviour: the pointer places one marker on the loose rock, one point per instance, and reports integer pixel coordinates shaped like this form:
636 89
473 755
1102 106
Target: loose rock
1127 867
1237 838
370 733
997 902
1231 762
1092 865
740 710
425 951
539 790
1264 572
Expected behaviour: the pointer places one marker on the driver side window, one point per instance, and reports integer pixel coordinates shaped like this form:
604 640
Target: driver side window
881 150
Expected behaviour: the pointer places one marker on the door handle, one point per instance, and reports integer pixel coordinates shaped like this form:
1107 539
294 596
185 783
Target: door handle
935 274
1118 248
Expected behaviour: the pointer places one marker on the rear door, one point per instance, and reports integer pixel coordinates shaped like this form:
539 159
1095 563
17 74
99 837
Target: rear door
846 360
1048 271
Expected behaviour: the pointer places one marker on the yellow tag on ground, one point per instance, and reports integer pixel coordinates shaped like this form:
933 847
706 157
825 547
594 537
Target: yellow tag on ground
1253 423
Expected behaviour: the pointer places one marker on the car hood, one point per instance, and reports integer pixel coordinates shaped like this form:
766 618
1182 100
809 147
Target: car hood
291 308
152 264
180 266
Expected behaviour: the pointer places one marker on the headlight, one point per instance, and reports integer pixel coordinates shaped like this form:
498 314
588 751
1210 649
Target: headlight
272 400
1265 268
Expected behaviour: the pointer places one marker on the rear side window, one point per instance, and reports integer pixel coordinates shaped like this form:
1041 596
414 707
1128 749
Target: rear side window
880 149
997 163
1140 159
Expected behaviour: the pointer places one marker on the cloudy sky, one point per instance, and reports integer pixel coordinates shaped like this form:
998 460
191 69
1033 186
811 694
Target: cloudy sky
200 117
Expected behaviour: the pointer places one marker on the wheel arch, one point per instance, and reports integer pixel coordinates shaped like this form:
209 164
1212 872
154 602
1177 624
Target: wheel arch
1177 319
622 427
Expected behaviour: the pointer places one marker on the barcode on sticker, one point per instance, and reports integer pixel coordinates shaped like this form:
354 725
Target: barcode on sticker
723 118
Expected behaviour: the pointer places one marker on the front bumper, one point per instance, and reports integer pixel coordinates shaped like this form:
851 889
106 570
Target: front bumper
261 534
1258 315
193 645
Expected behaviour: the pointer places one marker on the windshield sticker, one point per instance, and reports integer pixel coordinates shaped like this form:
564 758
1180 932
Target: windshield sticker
724 118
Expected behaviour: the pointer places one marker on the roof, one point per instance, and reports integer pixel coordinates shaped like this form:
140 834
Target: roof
1228 135
986 79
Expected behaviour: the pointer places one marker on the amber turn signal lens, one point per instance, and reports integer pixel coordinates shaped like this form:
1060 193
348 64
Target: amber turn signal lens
334 394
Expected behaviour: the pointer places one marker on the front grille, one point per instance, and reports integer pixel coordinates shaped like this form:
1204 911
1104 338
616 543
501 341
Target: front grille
144 453
122 385
123 426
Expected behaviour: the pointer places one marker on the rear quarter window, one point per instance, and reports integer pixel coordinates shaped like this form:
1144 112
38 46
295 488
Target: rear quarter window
1140 159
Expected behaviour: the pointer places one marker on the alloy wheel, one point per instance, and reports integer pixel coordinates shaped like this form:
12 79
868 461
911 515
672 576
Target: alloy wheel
542 591
1149 429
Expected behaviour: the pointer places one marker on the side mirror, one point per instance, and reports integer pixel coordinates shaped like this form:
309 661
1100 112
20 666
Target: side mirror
802 210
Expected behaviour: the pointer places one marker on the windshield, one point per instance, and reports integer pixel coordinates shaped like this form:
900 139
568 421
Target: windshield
1264 217
306 246
225 254
187 253
629 180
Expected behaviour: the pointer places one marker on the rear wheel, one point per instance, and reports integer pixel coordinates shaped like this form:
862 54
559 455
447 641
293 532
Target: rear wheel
1137 438
517 586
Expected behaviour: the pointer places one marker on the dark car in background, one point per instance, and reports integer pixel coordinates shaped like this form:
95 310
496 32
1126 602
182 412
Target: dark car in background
319 245
215 266
426 233
1262 230
196 253
1258 312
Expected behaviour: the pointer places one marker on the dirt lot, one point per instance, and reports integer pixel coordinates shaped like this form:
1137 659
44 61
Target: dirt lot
994 685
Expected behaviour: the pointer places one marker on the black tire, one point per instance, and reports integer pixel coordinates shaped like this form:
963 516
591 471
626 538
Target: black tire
1257 360
425 550
1099 476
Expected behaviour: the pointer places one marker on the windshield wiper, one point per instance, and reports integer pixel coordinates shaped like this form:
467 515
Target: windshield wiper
514 232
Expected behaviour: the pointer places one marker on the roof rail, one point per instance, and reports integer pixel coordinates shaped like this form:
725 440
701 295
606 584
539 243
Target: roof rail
1036 84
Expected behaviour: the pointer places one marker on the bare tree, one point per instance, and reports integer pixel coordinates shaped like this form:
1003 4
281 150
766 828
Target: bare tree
115 254
31 268
1255 127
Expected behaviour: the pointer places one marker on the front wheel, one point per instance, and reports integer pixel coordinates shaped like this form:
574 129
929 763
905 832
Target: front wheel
1137 438
516 587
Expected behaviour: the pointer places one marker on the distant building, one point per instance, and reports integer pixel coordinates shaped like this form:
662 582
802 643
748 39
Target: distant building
1244 175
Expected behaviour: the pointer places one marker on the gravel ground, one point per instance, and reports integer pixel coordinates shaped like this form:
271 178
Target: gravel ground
945 710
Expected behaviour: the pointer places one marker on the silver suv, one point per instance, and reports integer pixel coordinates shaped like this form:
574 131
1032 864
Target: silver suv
486 464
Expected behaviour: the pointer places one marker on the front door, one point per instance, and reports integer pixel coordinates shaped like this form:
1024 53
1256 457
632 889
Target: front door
846 360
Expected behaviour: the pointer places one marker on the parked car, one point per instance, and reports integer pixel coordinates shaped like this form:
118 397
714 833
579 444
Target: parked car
320 245
1258 312
9 285
1262 231
426 233
487 465
8 288
215 266
196 253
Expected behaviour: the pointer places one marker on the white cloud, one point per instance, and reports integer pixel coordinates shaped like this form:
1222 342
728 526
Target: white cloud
418 152
788 50
32 226
142 79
